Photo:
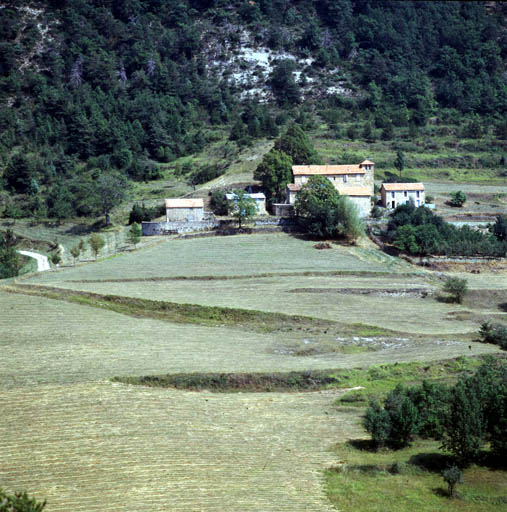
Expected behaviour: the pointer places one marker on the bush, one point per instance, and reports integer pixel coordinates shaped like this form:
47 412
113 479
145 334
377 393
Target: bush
218 202
396 423
458 199
452 477
19 502
456 287
493 333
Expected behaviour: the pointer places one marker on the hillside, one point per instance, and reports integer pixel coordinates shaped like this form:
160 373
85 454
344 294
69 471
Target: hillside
100 92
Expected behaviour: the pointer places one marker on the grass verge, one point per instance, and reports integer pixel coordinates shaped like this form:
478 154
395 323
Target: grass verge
408 479
227 382
366 383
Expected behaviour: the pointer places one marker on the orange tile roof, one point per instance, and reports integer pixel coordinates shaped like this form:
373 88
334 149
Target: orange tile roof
307 170
354 191
184 203
402 186
367 162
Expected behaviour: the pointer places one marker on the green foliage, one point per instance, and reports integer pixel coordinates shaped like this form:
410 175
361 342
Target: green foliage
317 207
399 163
419 231
218 202
56 258
134 234
431 401
376 421
19 502
499 228
75 251
96 243
282 83
456 288
458 199
493 333
18 174
243 207
403 417
141 213
324 214
452 476
350 225
464 426
296 144
9 259
275 172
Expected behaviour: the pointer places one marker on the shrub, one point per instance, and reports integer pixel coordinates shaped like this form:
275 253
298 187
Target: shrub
96 243
430 199
493 333
218 202
19 502
376 421
452 477
458 199
323 245
457 288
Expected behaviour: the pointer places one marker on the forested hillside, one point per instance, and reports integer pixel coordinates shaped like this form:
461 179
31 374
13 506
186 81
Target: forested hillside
95 92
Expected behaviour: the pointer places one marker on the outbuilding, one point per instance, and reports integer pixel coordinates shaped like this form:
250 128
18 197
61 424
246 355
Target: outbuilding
180 209
394 194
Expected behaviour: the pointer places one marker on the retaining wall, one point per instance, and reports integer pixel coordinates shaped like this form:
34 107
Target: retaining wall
176 227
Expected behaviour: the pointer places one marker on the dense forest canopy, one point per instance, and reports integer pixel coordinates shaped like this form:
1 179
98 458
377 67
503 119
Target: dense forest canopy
101 86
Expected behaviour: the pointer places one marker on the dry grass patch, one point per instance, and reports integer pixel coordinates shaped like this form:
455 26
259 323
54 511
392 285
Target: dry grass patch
109 447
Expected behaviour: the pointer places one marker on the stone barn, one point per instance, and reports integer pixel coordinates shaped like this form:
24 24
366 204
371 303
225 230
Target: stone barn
189 210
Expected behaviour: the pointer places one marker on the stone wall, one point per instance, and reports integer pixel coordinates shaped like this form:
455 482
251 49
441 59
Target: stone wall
176 227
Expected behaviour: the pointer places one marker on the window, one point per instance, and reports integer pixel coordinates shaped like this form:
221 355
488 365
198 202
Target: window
358 177
344 178
392 195
405 193
418 194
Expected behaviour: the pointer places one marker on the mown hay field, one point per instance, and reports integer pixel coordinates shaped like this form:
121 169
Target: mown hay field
72 436
84 443
400 302
230 256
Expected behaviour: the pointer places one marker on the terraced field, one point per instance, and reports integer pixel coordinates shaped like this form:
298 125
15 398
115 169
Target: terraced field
71 435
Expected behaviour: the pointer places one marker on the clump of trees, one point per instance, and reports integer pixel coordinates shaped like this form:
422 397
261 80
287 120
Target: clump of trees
275 170
323 213
465 417
419 231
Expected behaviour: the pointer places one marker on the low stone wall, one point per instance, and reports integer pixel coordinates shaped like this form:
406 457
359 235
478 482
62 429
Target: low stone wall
177 227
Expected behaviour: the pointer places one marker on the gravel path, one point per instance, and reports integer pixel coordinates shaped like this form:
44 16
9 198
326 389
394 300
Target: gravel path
42 261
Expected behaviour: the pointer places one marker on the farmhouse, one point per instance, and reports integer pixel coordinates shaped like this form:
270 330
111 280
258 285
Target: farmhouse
353 181
394 194
259 198
184 210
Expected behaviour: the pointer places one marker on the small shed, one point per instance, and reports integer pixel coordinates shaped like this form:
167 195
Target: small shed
189 210
394 194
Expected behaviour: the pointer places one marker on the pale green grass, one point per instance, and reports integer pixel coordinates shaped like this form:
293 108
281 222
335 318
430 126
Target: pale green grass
108 447
99 344
315 296
235 255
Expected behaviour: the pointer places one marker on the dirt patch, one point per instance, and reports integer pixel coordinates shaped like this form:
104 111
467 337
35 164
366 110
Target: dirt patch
375 292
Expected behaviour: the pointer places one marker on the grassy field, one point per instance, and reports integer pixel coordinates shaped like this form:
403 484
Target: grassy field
283 274
408 479
71 435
